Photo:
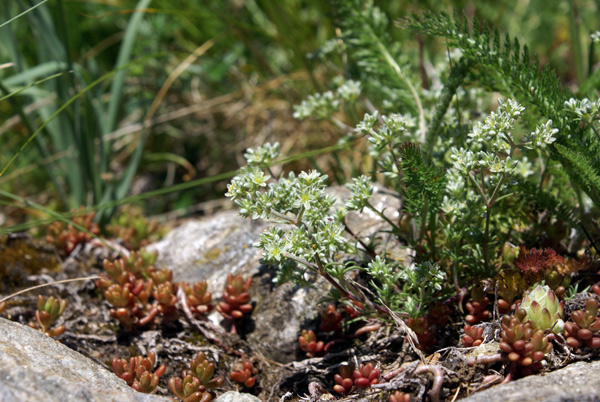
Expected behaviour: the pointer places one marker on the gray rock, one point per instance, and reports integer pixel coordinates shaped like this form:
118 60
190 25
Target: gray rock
35 367
212 247
579 382
233 396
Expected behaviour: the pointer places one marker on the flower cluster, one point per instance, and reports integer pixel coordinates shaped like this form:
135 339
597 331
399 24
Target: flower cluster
543 135
322 106
262 156
315 236
385 138
583 109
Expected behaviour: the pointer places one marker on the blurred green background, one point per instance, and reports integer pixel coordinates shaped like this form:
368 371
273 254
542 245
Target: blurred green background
118 102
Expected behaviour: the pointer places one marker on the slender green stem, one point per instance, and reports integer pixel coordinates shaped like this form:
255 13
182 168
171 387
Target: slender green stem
368 250
424 214
285 217
486 235
309 265
496 189
478 187
390 60
385 218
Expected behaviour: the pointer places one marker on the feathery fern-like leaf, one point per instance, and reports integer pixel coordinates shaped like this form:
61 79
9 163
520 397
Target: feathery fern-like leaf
588 177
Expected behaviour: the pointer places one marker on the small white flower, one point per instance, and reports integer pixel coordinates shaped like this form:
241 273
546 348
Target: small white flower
542 136
464 160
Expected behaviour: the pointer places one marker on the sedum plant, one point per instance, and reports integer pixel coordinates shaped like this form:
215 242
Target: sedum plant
195 384
137 372
244 372
584 327
47 313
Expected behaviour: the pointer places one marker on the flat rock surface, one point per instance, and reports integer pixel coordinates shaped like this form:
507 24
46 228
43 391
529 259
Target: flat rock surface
35 367
233 396
578 382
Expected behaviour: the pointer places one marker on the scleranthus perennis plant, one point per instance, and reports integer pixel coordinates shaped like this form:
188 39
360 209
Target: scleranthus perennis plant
312 240
484 172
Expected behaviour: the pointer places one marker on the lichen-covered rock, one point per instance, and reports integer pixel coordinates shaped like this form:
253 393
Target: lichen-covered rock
35 367
212 247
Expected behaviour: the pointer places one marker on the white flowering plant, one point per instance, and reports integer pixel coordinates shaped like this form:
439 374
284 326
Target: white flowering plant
477 174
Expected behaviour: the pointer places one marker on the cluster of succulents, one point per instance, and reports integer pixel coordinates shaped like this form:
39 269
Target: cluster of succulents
309 344
522 343
425 332
199 299
425 327
236 299
244 373
133 228
65 237
47 313
331 319
195 384
584 327
473 336
477 306
399 396
350 377
511 285
127 285
139 292
137 372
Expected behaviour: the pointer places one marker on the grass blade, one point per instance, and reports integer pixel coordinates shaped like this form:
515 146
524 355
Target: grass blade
116 89
73 99
23 13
